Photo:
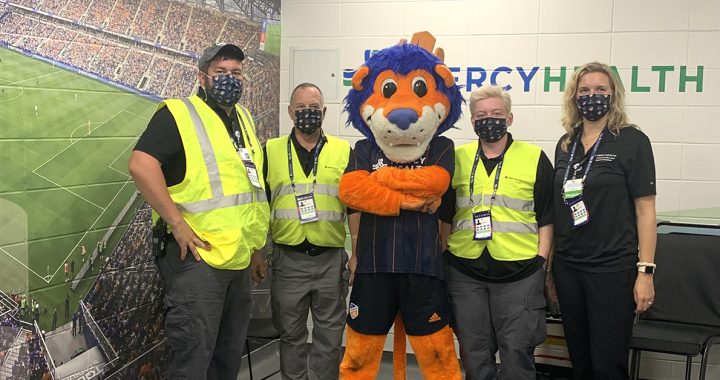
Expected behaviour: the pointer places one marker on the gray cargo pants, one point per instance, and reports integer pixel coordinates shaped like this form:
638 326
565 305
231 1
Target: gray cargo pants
319 284
487 317
207 312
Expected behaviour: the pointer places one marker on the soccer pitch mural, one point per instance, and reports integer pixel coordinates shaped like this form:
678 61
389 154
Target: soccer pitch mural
78 84
64 151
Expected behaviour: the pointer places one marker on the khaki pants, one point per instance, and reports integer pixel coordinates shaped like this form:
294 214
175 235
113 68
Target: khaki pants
319 284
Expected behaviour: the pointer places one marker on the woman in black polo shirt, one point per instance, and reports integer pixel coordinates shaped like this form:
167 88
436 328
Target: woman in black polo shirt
605 235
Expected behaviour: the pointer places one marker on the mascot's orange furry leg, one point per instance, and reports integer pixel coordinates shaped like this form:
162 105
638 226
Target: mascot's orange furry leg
436 355
364 352
362 356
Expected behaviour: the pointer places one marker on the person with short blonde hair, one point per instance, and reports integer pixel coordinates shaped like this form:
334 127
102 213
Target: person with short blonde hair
498 222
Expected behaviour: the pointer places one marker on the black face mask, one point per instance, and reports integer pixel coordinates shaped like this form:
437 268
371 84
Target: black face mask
308 120
593 107
491 129
225 90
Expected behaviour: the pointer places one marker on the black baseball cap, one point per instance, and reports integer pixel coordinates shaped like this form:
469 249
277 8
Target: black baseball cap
225 50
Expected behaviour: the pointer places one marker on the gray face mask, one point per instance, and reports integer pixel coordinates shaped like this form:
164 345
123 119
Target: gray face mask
225 90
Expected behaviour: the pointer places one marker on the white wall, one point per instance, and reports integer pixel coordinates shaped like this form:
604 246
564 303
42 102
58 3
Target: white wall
683 126
554 34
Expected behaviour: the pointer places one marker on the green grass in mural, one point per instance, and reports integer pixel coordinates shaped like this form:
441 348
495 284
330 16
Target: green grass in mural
64 144
272 38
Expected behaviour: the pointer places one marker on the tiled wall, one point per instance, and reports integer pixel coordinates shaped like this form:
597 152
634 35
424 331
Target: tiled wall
553 34
684 126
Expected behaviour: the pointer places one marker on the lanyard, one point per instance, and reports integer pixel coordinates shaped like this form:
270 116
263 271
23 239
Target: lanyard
319 145
590 160
497 176
237 138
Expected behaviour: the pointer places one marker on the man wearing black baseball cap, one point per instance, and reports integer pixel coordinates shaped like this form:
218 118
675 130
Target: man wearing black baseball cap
197 164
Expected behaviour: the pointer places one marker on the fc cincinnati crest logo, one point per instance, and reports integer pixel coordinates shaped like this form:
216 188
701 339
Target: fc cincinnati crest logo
354 311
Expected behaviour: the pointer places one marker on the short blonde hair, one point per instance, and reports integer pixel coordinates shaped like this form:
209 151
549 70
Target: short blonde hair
617 115
488 91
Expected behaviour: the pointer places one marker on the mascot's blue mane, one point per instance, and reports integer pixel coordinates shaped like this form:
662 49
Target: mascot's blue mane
401 59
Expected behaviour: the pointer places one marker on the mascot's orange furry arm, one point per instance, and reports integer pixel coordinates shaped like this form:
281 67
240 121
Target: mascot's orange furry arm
387 190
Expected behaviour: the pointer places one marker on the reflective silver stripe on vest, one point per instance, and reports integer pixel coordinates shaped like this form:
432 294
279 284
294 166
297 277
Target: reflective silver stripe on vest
328 216
260 195
247 117
219 202
329 190
207 151
508 227
500 200
252 125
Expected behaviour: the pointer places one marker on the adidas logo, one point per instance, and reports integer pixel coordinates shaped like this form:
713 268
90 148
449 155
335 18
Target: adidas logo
379 164
434 318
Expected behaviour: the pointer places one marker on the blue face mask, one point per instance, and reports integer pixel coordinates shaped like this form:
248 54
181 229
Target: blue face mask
491 129
225 90
593 107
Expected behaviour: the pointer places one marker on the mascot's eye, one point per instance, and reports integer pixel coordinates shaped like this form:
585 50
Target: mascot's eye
388 88
419 86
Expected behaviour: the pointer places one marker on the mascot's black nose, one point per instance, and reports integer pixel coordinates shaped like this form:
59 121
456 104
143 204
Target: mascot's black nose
403 117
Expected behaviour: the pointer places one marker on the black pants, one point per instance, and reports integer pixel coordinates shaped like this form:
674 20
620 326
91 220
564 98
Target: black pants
207 312
597 312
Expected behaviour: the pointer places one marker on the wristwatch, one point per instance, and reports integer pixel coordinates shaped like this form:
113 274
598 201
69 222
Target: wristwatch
646 269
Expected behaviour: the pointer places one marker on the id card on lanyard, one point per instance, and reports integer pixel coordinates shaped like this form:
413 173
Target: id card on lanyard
307 212
482 225
579 211
305 203
572 189
482 220
245 155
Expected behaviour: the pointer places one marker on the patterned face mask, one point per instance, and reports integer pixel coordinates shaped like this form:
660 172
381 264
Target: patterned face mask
593 107
225 90
308 120
491 129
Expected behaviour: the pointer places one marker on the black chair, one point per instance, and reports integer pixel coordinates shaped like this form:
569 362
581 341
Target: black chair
261 325
685 316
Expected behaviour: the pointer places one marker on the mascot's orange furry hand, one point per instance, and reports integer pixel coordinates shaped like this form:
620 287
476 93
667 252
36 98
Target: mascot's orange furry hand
413 203
386 191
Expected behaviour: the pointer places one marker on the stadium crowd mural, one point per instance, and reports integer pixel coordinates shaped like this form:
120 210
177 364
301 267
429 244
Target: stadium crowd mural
148 67
150 47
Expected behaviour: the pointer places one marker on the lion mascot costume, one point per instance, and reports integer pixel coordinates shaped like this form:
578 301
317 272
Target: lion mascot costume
401 100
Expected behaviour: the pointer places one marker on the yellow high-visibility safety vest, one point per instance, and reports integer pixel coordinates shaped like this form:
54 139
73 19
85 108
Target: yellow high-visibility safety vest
329 229
216 197
514 227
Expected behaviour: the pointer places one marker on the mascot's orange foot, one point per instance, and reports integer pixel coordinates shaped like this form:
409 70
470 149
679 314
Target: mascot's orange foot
362 356
436 355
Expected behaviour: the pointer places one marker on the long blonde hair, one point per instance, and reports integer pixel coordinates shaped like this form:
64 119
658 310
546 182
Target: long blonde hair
617 116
